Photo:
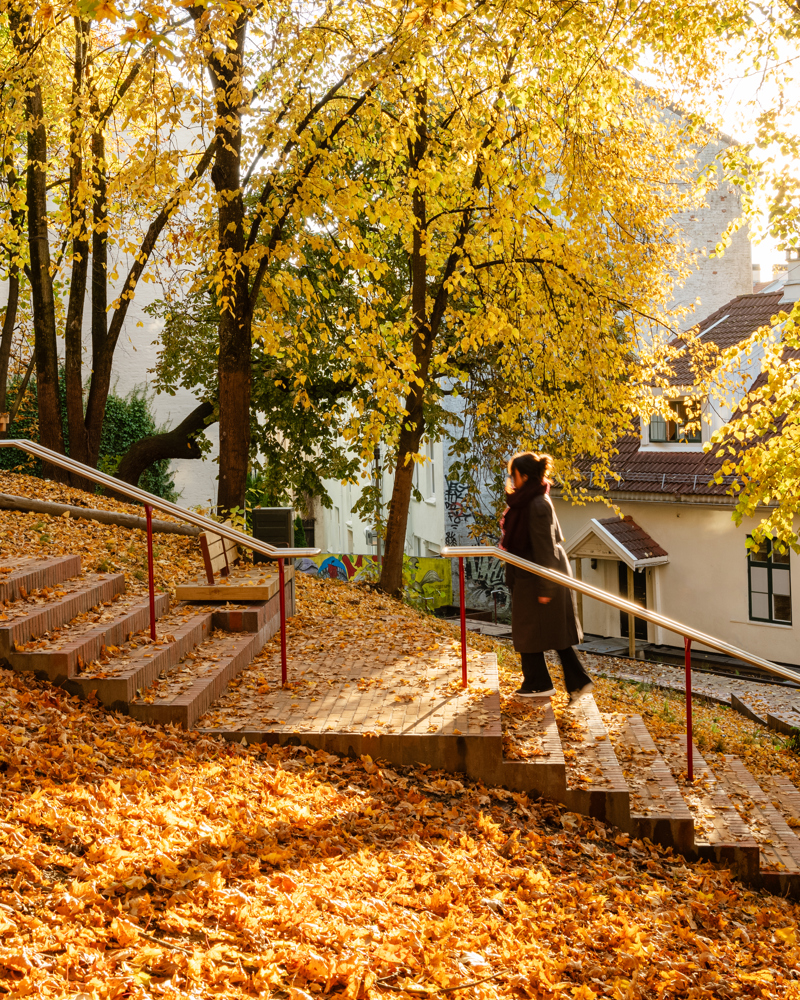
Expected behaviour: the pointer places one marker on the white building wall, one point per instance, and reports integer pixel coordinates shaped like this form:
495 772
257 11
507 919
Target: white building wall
339 529
704 584
714 280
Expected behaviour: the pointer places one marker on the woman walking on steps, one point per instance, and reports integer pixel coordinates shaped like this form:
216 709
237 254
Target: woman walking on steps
542 613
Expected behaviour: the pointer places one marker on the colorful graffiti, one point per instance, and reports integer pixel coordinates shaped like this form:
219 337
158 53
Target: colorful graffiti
428 582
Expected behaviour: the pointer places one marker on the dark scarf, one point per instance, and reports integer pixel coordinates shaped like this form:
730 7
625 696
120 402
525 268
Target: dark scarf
516 537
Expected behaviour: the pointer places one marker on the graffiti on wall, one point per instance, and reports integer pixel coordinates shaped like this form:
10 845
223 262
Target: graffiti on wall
456 511
428 583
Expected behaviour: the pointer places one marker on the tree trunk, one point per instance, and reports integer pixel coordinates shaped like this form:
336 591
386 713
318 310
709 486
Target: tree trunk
73 327
44 310
180 442
12 303
234 327
391 579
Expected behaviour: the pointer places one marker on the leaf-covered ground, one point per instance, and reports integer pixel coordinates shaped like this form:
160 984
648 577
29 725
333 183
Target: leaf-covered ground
138 862
102 547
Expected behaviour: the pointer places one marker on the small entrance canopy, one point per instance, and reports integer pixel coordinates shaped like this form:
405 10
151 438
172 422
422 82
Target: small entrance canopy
617 538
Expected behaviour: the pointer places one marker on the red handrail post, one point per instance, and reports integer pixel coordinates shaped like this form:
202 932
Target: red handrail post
463 621
282 602
151 583
687 646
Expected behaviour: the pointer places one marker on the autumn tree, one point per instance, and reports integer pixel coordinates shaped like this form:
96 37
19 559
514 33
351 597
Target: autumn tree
93 179
758 380
530 197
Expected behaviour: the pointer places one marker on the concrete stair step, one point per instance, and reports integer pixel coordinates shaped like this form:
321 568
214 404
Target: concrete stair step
779 846
787 723
533 758
197 680
20 577
25 620
86 637
119 678
658 810
596 785
721 835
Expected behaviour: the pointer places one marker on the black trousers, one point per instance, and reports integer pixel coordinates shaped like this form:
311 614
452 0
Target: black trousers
537 676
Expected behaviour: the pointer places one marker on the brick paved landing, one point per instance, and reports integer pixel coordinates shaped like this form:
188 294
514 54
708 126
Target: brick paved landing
384 694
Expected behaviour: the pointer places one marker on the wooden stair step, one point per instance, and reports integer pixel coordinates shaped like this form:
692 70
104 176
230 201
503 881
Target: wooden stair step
721 835
596 785
25 621
197 680
658 811
26 575
778 844
84 638
533 758
118 680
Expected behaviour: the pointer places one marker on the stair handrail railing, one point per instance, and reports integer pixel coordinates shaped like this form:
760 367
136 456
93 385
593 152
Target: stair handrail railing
151 501
461 552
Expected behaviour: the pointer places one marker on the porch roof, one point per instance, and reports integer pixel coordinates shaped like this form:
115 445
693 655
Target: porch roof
617 538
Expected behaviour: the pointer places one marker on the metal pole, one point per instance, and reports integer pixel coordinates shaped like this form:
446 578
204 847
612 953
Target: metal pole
579 576
463 623
631 619
282 602
687 645
150 571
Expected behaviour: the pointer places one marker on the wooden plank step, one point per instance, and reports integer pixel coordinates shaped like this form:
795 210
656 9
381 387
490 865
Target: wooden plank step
27 620
778 844
254 584
197 681
658 811
86 636
596 785
20 577
118 680
721 835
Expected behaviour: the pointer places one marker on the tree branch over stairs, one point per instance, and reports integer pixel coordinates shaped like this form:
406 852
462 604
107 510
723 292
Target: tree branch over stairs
180 442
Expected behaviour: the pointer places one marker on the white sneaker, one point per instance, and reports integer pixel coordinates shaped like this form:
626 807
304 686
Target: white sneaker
524 693
581 692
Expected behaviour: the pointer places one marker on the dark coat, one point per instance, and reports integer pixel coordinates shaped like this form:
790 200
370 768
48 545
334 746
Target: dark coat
537 627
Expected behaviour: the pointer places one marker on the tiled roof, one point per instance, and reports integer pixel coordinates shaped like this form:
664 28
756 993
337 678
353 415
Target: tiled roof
635 539
729 325
669 472
662 471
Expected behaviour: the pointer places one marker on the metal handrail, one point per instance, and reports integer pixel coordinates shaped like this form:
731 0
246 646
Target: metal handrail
619 602
151 501
461 551
158 503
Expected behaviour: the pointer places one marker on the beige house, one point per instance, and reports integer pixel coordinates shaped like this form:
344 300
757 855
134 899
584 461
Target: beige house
678 551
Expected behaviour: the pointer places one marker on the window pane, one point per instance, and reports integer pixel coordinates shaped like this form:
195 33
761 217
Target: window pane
658 428
781 558
760 552
781 608
679 409
693 435
759 605
672 431
759 579
781 582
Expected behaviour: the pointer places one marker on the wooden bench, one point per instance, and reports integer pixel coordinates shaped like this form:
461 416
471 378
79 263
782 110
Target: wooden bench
220 555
